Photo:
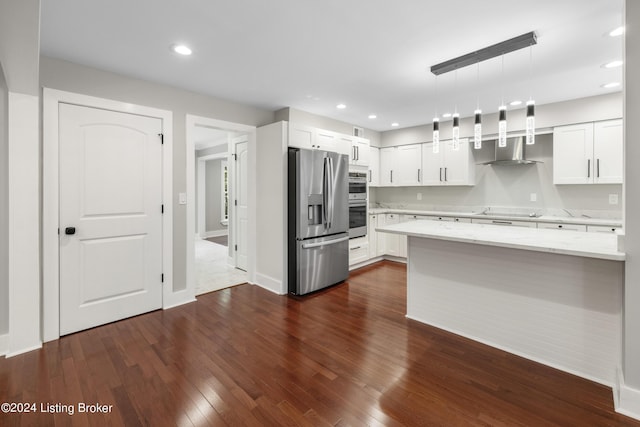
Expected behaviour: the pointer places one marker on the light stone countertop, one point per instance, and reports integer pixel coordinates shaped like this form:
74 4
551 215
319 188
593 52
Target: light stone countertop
543 218
566 242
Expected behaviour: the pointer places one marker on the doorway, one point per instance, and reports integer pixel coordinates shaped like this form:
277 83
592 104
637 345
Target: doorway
217 252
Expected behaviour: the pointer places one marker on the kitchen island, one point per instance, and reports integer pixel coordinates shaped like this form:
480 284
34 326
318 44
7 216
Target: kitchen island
548 295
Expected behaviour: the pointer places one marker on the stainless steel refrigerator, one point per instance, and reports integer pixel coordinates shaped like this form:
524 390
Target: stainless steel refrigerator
318 218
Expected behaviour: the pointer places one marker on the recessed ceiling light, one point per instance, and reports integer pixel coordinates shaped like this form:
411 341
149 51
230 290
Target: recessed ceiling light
446 115
617 32
341 106
373 116
515 103
395 124
181 49
613 64
611 85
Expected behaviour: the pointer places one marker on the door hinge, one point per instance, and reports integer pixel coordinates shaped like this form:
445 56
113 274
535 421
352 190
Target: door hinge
58 231
236 248
162 278
161 135
161 208
235 156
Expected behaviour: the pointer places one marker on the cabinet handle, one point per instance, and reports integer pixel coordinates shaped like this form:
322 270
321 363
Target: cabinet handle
354 248
369 175
598 168
440 174
357 153
445 174
559 226
418 175
391 174
589 168
502 222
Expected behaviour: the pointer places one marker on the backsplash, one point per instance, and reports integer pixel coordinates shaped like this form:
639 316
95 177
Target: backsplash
509 189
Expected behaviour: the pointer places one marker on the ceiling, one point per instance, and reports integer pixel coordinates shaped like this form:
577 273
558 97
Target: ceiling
372 55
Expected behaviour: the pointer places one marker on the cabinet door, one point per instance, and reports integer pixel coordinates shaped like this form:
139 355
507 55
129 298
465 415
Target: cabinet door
381 238
374 166
408 167
373 236
459 165
392 241
602 229
432 165
329 141
358 250
526 224
302 136
573 154
387 162
360 147
608 152
557 226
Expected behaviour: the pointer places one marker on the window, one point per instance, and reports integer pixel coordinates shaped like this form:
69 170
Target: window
224 192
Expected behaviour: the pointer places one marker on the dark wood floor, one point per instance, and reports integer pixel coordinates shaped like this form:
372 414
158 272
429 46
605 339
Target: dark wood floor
346 356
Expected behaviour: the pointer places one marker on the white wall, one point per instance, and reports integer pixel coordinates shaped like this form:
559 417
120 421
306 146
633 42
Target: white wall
303 118
4 210
213 196
19 56
629 400
270 202
67 76
509 186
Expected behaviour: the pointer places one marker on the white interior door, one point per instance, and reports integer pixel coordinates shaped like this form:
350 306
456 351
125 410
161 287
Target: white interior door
241 201
110 216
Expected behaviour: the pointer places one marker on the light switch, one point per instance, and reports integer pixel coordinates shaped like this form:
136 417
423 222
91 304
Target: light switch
533 197
613 199
182 198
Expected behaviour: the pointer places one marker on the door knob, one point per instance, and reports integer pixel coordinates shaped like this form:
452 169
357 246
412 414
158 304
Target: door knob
70 230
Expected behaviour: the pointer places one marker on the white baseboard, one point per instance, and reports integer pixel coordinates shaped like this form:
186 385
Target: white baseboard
4 344
24 350
215 233
270 284
626 400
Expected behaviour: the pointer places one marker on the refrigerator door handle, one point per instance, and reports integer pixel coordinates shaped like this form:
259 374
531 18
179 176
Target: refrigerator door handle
331 193
325 243
325 190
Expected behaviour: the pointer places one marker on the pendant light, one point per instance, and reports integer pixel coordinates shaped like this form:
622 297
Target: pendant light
502 116
477 130
436 135
456 132
530 133
436 125
455 143
477 123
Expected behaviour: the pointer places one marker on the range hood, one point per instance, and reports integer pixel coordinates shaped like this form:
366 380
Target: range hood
512 154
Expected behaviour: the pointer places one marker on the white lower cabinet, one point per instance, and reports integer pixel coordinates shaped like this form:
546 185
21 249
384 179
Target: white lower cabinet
602 229
390 242
358 250
529 224
372 235
558 226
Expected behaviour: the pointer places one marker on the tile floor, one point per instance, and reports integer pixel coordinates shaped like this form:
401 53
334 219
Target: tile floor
212 271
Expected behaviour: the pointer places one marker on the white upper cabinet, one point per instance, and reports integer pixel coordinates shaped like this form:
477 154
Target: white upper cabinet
360 151
311 138
374 166
588 153
401 166
608 152
448 166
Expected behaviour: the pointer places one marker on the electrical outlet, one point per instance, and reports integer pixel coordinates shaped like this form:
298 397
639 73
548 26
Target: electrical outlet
533 197
613 199
419 196
182 198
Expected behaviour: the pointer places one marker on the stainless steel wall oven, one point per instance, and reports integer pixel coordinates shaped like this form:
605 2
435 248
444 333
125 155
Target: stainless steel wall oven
357 204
